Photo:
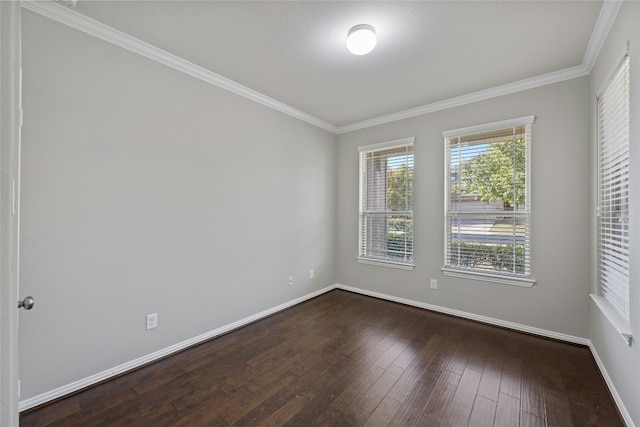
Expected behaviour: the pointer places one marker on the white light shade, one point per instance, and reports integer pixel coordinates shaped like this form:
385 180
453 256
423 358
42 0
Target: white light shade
361 39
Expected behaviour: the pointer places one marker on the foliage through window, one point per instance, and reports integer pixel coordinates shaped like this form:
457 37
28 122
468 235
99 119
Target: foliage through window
386 203
487 200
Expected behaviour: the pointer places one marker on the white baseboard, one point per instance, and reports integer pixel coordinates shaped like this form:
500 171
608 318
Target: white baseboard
612 387
471 316
110 373
515 326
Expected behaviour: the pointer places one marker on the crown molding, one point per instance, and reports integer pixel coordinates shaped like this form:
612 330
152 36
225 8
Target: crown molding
482 95
73 19
606 18
66 16
608 13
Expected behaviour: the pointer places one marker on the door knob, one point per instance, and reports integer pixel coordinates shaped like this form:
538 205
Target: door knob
27 303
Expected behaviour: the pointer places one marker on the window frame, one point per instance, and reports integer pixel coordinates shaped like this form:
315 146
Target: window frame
619 319
506 278
363 257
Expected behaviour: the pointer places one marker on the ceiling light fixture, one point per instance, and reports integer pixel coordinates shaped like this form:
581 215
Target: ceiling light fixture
361 39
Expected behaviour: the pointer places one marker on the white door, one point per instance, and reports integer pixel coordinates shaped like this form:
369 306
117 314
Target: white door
10 127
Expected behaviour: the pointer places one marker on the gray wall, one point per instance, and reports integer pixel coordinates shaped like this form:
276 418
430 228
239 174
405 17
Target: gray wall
621 362
145 190
559 302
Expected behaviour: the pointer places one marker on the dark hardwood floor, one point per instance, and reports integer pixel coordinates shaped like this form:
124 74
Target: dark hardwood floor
344 359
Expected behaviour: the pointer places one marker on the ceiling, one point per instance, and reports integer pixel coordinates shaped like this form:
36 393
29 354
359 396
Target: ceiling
427 52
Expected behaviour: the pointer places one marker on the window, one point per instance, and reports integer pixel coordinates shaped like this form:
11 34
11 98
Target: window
487 202
386 204
613 189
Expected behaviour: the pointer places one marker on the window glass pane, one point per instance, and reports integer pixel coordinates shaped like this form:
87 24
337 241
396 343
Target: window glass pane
491 243
487 201
386 204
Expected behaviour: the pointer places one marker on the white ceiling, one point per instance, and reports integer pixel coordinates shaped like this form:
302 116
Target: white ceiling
427 51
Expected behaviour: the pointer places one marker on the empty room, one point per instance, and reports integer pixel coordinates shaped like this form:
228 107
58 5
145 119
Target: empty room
319 213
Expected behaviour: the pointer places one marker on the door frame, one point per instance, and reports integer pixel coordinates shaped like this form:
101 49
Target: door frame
10 132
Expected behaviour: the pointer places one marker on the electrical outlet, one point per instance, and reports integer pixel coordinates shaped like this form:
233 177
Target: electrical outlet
290 280
310 274
152 321
434 284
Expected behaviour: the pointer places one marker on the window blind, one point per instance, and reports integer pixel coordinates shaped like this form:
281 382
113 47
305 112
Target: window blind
386 202
487 199
613 190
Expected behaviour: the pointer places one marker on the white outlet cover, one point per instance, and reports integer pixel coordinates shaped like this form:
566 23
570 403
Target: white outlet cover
152 321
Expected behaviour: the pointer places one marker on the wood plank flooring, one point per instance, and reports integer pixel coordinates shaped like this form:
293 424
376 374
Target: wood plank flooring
344 359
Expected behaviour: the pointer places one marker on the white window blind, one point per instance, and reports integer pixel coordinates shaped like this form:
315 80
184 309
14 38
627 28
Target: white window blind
487 201
613 190
386 203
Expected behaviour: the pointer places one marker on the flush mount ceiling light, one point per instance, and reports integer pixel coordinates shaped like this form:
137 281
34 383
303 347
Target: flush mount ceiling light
361 39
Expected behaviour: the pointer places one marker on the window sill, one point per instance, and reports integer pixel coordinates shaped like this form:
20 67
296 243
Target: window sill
384 263
612 315
486 277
